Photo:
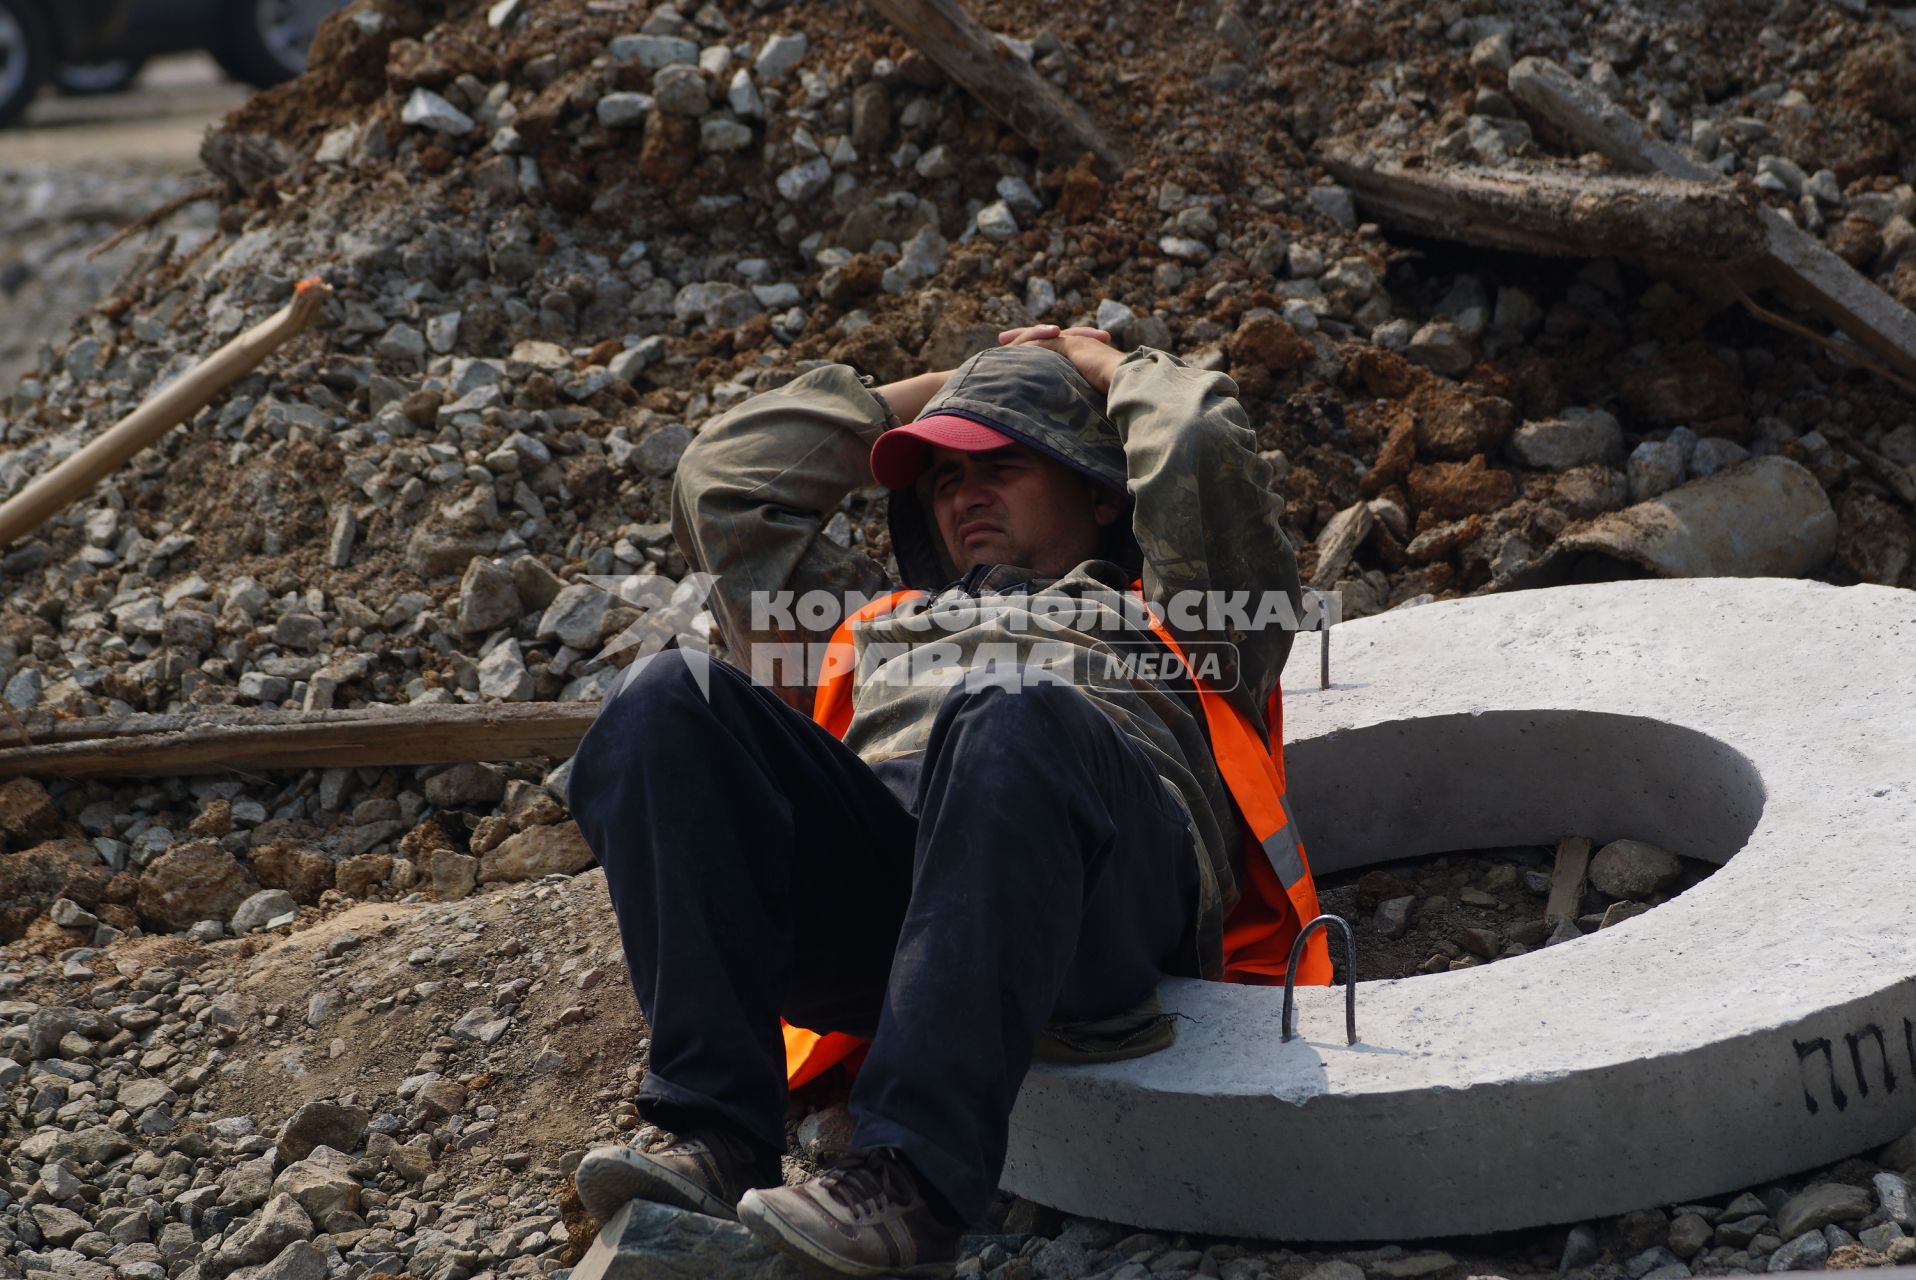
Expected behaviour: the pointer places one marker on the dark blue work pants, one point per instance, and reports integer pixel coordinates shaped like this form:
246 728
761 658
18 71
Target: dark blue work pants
1031 865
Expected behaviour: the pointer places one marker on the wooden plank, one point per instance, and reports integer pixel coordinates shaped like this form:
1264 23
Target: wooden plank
1795 263
259 741
1002 82
1567 879
1556 214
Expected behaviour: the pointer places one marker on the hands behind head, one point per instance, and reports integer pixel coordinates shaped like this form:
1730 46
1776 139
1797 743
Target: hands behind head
1089 350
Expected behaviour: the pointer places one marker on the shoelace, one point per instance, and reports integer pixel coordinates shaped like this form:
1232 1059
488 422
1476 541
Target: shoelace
863 1181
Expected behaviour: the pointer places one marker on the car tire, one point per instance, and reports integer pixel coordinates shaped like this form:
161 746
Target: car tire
26 57
263 46
90 79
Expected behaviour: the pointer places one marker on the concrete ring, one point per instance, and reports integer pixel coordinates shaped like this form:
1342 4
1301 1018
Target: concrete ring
1759 1024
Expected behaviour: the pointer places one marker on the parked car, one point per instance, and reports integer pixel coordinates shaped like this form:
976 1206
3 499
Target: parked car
262 42
37 36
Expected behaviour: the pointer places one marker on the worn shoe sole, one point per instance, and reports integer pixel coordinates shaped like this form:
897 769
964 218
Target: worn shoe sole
612 1176
772 1227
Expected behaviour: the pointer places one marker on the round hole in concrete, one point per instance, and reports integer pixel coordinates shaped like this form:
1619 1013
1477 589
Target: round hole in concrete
1492 783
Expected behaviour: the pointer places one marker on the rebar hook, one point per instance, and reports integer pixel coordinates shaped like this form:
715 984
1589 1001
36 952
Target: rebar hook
1350 975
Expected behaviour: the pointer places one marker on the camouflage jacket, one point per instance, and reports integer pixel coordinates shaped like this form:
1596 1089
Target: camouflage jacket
757 486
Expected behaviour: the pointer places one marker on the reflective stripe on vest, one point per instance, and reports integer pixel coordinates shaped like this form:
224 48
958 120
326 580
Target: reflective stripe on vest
1277 894
1253 771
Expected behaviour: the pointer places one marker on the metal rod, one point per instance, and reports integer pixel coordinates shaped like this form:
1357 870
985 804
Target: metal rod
1350 975
1324 656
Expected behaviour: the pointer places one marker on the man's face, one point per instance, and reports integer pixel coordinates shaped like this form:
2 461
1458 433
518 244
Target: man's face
1016 506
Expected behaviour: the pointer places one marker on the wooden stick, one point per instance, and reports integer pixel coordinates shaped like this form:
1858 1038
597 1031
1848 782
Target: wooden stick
147 221
1556 214
1900 480
256 741
1003 83
1794 263
1567 878
172 405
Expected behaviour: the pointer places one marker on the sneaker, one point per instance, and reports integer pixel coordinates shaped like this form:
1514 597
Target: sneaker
705 1171
865 1217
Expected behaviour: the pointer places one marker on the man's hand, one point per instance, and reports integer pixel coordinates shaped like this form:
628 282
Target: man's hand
1089 350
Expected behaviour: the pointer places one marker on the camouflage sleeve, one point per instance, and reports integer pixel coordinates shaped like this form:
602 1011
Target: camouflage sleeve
1205 515
751 496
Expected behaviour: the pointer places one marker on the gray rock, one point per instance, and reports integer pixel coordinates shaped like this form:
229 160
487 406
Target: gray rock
779 54
576 616
59 1226
805 180
624 110
1737 1230
1690 1234
323 1185
681 91
503 675
537 585
871 116
261 909
465 786
1880 1237
647 1241
660 449
720 304
321 1124
487 598
1441 347
24 689
1807 1252
742 96
1185 249
1335 1269
297 1261
404 343
1713 454
630 363
1393 916
1657 1261
996 221
427 110
724 135
61 1182
1892 1193
300 631
191 629
69 914
1336 204
824 1131
279 1224
1061 1260
1817 1207
1115 318
1635 870
654 52
1656 466
1572 438
935 163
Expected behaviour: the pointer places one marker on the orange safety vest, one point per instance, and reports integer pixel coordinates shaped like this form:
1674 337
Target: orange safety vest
1277 895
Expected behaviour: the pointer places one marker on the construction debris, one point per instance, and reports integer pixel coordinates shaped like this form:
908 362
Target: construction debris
171 405
1556 214
1797 266
1003 81
208 742
1764 518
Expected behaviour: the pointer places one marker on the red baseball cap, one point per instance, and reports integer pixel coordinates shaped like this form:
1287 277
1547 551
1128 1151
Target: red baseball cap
901 454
